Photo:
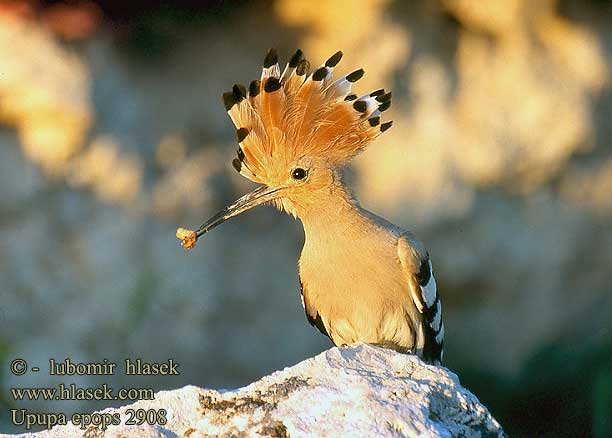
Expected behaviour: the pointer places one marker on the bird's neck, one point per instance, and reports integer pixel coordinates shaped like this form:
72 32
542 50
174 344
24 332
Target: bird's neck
334 215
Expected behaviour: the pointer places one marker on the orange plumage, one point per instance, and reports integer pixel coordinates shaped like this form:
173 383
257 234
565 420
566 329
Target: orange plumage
283 117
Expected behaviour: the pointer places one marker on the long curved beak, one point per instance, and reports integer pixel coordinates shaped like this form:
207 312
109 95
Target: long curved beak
260 195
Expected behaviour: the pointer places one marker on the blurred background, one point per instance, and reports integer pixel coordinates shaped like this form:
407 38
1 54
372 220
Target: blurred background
112 134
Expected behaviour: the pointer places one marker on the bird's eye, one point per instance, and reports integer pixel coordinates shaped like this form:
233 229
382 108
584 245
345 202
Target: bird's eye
298 173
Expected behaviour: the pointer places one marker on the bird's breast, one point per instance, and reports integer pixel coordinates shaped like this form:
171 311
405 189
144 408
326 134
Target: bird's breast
355 283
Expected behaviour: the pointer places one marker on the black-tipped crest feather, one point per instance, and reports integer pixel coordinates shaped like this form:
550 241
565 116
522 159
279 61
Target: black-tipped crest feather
355 76
241 134
228 100
361 106
386 126
384 97
272 84
334 59
384 106
319 74
239 91
271 58
254 88
296 58
302 67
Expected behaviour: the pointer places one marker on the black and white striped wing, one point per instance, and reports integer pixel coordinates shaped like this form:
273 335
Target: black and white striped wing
424 294
431 308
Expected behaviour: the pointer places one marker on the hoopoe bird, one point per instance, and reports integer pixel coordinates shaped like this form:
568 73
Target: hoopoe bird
362 278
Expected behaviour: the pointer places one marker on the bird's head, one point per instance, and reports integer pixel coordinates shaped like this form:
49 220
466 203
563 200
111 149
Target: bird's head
294 129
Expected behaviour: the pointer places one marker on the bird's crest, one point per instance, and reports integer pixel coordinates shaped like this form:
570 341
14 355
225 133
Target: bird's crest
282 117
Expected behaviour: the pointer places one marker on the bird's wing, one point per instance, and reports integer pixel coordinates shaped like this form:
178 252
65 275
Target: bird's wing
312 315
416 265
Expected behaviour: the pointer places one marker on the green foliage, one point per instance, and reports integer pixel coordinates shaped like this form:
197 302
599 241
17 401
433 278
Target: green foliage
602 404
565 390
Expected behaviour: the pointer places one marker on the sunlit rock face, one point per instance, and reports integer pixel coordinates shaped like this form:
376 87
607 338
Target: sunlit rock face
361 391
44 93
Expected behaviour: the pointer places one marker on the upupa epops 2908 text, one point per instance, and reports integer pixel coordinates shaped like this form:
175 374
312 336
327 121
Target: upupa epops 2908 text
363 279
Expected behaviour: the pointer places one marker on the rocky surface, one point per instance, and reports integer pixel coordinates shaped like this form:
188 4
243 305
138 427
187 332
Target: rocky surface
360 391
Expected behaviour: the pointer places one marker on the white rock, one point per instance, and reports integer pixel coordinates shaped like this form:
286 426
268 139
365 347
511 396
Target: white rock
360 391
